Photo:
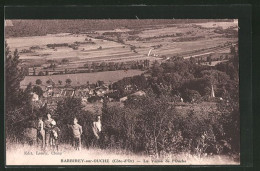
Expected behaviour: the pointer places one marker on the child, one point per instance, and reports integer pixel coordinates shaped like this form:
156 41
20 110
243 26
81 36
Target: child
41 132
77 132
55 131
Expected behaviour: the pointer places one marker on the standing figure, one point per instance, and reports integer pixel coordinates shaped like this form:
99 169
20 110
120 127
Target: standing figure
77 132
48 129
97 129
54 138
41 132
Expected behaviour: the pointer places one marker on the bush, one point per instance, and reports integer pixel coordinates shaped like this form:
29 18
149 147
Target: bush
191 96
68 109
150 125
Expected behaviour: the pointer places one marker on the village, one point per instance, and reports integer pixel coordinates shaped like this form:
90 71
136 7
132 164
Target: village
89 94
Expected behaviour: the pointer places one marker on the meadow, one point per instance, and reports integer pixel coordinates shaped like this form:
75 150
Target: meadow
83 78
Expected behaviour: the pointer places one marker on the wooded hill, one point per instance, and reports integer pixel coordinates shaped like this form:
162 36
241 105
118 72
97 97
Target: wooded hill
22 28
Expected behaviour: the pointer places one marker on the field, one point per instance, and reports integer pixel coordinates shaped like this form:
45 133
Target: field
95 156
224 25
120 45
83 78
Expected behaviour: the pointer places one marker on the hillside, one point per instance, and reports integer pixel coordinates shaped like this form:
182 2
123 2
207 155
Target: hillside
22 28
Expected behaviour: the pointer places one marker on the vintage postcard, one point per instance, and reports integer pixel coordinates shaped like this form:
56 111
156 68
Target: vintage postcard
122 92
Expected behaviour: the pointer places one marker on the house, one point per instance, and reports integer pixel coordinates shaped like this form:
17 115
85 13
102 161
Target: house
56 92
99 93
69 93
92 92
101 90
86 90
63 92
138 93
123 99
128 87
48 91
84 99
81 93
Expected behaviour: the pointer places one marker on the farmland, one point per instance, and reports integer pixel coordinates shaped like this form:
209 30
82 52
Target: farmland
83 78
125 44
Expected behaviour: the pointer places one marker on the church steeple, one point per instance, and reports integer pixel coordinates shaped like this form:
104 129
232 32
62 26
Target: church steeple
212 91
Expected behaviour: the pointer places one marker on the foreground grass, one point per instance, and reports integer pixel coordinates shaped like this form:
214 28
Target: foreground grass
27 155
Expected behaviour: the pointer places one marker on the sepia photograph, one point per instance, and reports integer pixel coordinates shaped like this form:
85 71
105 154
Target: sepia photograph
122 92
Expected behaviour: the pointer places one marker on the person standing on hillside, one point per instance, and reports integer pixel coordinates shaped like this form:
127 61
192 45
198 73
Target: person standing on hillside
97 129
48 128
55 134
77 132
41 132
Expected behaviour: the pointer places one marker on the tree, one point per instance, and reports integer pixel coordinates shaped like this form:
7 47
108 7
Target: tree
68 81
34 71
192 60
191 95
100 83
49 81
103 66
64 60
38 90
17 101
139 81
209 59
38 82
13 77
94 66
66 110
60 82
156 69
111 66
53 66
40 73
153 121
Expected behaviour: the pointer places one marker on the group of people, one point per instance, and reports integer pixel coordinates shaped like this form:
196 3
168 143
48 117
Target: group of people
49 133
